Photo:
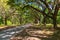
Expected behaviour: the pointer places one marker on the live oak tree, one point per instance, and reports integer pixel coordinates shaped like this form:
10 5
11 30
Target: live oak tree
52 6
5 12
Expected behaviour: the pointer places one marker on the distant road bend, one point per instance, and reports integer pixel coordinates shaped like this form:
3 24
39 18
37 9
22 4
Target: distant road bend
8 33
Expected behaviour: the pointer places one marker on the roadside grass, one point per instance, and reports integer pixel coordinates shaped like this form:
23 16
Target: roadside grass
9 24
43 26
35 25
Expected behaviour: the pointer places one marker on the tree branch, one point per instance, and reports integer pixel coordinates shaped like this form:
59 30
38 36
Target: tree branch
38 11
46 4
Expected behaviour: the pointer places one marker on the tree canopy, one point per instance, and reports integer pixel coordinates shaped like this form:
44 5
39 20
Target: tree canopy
30 11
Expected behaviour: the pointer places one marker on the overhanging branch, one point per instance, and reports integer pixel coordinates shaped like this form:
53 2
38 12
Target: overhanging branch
38 11
46 4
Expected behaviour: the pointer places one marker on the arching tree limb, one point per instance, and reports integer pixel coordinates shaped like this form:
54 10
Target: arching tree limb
43 13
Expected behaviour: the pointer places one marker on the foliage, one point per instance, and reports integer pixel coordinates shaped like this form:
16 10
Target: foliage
30 11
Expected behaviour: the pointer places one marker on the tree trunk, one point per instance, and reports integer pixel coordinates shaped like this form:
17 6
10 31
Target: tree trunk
55 17
20 20
44 20
54 23
6 21
37 21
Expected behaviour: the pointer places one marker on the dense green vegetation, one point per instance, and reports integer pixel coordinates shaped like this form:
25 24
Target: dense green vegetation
18 12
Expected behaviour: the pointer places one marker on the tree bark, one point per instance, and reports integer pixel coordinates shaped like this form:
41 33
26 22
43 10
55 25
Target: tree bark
44 20
55 17
36 21
54 23
6 21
